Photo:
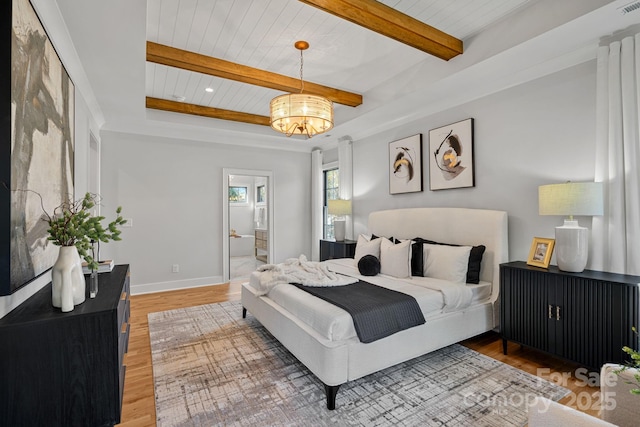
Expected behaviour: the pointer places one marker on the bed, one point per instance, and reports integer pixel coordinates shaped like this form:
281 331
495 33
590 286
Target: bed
330 350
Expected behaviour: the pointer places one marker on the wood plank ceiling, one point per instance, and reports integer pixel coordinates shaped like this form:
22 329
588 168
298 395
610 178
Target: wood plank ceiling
242 51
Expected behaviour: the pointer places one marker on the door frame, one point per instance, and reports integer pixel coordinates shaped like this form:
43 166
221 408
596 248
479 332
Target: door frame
226 172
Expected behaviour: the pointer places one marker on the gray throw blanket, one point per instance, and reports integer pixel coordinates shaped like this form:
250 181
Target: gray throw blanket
377 312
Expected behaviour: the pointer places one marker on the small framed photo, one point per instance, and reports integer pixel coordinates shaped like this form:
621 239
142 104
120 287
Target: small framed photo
541 251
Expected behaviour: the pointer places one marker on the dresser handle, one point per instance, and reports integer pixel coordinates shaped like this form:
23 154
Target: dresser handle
557 312
550 311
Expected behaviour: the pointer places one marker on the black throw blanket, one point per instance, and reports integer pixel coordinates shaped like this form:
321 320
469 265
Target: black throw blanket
377 312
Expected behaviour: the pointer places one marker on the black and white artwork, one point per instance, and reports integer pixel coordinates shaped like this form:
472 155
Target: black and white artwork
41 143
451 156
405 165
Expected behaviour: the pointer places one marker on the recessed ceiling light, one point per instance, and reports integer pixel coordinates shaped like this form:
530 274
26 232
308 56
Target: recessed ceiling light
179 98
208 89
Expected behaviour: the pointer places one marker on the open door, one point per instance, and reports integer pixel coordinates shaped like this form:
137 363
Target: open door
247 221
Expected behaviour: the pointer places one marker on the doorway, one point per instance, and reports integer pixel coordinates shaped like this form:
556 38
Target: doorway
247 222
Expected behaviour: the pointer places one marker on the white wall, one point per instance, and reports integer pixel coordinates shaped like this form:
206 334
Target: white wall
172 189
536 133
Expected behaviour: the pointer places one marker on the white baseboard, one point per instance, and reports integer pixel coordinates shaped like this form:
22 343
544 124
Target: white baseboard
147 288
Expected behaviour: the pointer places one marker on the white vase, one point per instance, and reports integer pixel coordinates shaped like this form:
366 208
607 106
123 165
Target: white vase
67 280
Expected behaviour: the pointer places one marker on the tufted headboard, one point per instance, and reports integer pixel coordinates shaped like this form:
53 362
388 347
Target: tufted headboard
460 226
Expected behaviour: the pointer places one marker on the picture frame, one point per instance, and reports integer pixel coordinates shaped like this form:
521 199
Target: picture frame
540 252
38 146
405 165
451 162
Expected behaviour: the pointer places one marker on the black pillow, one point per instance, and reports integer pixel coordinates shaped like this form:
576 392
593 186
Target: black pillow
473 268
417 262
369 265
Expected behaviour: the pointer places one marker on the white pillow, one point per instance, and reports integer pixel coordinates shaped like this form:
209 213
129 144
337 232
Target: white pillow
446 262
395 260
366 247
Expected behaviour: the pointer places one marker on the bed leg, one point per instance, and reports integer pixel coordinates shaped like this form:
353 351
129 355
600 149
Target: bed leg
332 392
244 313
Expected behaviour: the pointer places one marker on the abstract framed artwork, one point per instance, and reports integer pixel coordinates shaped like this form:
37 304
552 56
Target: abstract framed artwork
540 252
405 165
451 156
37 145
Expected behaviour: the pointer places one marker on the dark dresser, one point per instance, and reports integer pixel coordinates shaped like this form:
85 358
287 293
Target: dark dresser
66 369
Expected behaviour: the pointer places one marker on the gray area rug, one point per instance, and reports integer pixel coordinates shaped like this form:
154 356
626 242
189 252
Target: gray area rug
211 367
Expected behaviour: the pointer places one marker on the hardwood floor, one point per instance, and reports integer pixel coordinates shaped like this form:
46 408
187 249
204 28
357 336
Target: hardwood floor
139 407
139 400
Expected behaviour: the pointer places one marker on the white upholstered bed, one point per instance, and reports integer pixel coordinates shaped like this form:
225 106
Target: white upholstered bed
334 355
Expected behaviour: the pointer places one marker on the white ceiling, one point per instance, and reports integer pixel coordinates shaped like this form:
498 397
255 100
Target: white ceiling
506 43
261 34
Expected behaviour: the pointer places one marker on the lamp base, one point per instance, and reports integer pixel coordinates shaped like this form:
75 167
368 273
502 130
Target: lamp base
572 247
339 229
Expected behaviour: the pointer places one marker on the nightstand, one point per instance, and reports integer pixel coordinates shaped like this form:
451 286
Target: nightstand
583 317
330 249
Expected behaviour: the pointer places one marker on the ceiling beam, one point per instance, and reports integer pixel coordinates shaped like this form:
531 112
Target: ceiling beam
173 57
389 22
200 110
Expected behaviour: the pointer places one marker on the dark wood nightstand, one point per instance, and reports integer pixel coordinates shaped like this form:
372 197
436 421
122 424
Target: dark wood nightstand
330 249
583 317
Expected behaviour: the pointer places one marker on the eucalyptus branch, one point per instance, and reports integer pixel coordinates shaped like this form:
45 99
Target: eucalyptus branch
72 224
634 363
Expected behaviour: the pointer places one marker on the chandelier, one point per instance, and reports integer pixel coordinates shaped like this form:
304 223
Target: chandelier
300 113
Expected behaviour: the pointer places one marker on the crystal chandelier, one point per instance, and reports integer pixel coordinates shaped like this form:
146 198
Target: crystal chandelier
300 113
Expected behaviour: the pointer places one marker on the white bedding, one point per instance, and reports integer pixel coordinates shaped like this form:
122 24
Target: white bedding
434 296
297 270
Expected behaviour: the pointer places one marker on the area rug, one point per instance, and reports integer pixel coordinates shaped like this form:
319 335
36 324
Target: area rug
211 367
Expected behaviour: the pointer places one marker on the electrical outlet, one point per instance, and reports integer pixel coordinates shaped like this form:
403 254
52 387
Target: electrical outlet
175 268
129 222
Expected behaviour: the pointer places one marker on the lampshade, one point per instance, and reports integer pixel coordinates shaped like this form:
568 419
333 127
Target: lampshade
571 198
339 207
301 114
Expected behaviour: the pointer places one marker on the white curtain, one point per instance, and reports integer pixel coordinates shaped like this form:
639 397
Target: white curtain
345 165
616 234
317 205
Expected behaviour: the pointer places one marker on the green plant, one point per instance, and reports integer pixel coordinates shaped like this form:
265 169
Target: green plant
73 224
635 363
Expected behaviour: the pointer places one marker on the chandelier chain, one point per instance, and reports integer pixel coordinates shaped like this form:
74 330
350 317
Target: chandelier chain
301 79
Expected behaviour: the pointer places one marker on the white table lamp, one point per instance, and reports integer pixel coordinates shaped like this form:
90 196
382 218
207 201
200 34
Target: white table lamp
569 199
339 208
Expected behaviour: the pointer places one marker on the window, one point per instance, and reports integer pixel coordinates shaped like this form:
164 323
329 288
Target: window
331 191
261 194
238 195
